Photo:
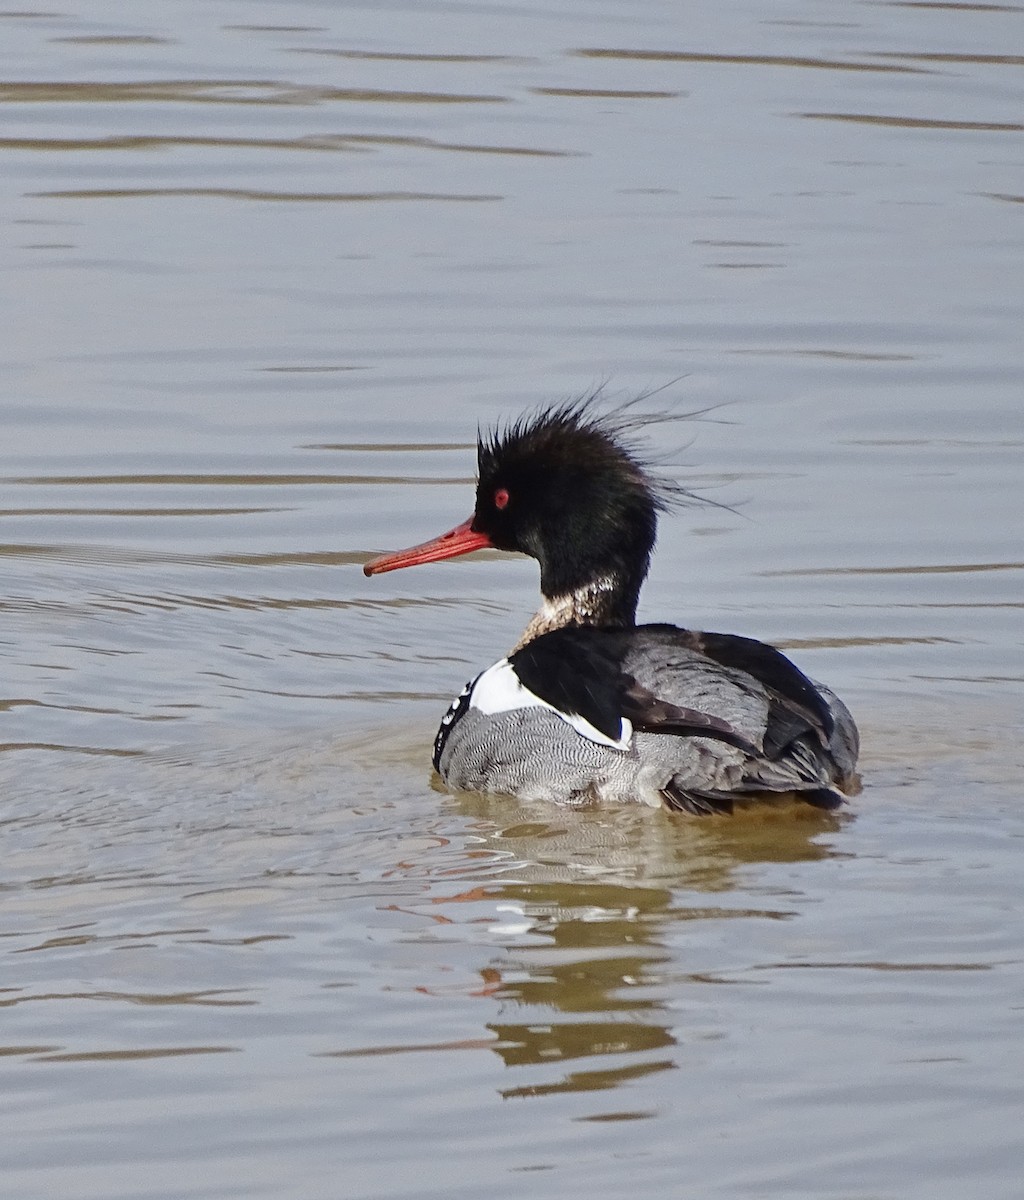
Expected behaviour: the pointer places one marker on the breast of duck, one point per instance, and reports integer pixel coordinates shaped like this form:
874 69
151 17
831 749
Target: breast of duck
589 706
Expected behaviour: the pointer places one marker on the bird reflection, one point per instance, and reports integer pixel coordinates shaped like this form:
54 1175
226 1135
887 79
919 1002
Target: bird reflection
586 901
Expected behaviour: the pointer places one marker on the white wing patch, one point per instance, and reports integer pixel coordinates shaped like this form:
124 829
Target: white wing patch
499 689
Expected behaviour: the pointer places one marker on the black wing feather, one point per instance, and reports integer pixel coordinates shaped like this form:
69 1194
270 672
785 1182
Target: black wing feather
796 705
578 670
772 669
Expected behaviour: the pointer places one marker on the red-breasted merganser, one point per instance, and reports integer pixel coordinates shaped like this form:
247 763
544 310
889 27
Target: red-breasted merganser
591 706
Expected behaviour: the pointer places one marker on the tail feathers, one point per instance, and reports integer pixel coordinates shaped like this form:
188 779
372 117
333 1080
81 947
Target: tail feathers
825 798
679 798
804 768
699 804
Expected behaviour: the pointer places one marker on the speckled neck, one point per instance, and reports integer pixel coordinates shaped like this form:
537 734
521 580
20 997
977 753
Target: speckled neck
601 602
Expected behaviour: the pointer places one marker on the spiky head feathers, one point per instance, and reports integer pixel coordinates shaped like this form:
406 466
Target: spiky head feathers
569 487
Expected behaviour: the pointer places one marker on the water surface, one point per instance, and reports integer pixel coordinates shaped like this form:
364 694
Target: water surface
266 267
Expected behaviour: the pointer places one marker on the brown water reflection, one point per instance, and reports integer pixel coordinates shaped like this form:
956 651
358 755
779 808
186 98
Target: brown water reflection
755 60
904 122
589 979
256 194
317 144
650 848
585 914
218 91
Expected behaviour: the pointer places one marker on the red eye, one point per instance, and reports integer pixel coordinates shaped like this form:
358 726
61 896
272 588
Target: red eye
501 498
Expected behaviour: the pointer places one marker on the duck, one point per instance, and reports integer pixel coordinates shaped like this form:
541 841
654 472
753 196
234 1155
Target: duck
589 707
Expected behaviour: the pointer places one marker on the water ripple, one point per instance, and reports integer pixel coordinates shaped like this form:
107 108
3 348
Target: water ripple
217 91
753 60
224 193
903 122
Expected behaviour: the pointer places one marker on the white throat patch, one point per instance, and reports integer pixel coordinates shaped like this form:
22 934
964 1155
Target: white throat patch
575 608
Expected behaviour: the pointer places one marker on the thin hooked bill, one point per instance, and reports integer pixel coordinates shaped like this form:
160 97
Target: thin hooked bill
463 539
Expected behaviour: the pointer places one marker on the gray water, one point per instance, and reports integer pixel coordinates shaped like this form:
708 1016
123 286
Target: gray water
264 269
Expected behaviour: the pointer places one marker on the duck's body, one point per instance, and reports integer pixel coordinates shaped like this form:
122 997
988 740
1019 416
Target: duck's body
591 706
654 714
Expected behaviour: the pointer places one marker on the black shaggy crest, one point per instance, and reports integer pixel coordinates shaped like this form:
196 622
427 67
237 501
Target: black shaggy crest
576 433
572 487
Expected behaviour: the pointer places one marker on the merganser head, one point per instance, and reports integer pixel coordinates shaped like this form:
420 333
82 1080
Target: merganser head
567 487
